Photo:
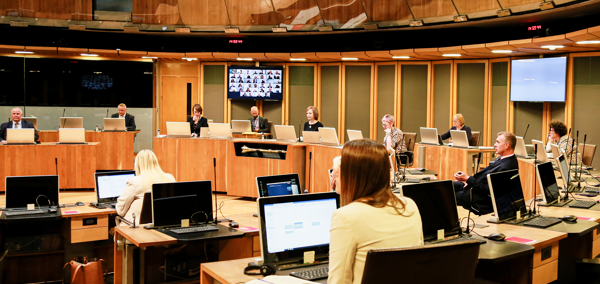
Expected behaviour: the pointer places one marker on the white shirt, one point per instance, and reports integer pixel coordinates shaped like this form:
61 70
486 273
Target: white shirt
17 125
121 116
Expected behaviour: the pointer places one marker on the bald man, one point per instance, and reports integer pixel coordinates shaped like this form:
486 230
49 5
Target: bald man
16 114
258 124
122 113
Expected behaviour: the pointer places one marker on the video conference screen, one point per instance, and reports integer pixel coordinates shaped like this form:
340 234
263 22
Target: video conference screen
255 83
538 80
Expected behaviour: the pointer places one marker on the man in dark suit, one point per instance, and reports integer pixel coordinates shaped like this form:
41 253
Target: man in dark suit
129 119
473 193
16 123
259 124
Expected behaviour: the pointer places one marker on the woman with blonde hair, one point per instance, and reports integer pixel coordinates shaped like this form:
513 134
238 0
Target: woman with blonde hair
371 216
458 123
147 172
394 138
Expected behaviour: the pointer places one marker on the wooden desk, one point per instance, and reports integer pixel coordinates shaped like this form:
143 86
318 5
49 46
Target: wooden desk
76 164
319 159
115 151
446 161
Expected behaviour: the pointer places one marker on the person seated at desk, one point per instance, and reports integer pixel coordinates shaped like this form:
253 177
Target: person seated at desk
147 172
16 123
122 113
458 122
473 193
394 138
197 121
371 216
313 123
259 124
558 135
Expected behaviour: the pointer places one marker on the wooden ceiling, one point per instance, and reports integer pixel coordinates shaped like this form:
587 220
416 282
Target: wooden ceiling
523 47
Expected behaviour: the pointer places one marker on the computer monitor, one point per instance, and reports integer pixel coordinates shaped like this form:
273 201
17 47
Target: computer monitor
285 133
278 185
563 168
541 154
328 136
507 195
437 206
114 124
547 181
164 214
520 149
110 185
354 134
71 122
38 190
293 224
240 126
178 129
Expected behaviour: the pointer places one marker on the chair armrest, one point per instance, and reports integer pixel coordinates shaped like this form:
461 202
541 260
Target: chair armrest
119 219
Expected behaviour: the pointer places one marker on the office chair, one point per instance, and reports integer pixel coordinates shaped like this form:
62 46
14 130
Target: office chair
439 263
474 141
408 156
590 151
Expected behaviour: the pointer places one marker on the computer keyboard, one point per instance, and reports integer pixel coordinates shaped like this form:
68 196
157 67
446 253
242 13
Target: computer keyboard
583 204
543 222
312 274
197 229
413 172
411 180
24 212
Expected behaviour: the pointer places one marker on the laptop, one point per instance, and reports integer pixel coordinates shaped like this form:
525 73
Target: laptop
204 132
220 130
21 136
520 149
430 136
328 136
541 154
178 129
110 186
311 137
285 133
240 126
114 124
354 134
509 203
71 136
563 168
281 218
556 151
460 139
41 191
437 206
176 201
278 185
547 181
71 122
33 121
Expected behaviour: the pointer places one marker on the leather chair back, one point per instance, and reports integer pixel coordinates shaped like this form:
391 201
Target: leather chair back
474 138
590 151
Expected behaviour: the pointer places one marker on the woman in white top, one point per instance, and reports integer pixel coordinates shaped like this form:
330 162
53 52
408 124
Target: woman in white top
147 172
372 217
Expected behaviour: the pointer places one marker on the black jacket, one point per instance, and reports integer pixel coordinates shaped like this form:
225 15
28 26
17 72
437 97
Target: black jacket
478 183
465 128
195 128
263 124
129 120
24 124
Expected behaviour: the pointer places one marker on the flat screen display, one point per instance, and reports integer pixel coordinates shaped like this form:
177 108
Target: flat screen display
168 212
278 185
547 181
110 185
538 79
24 190
507 194
255 83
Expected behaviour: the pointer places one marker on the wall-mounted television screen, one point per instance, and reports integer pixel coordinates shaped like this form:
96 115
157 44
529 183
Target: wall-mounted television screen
538 79
255 83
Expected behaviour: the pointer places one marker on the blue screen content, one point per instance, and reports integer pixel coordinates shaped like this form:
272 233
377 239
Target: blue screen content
538 80
280 188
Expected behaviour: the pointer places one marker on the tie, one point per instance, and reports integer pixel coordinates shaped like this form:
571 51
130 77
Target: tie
256 123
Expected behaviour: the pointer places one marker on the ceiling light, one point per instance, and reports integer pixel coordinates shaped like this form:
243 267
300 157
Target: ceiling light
88 54
279 29
325 28
547 5
189 59
23 52
452 55
232 30
349 58
416 23
589 42
460 18
244 59
553 47
401 57
298 59
150 57
501 51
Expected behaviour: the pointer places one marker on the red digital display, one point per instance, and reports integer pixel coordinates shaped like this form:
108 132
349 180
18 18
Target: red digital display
236 41
534 28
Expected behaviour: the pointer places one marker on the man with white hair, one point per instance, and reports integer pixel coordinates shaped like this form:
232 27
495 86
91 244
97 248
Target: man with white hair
122 113
17 123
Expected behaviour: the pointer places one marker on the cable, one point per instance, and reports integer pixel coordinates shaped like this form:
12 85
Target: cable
36 201
164 272
192 217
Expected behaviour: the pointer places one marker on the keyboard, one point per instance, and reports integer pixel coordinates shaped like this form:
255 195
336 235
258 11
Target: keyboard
413 172
24 212
543 222
460 239
411 180
312 274
583 204
197 229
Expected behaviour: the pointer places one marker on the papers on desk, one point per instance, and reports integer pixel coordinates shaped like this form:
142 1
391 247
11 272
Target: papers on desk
276 279
248 229
586 218
520 240
486 147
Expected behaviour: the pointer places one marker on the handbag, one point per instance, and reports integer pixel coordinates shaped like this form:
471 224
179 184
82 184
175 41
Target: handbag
88 271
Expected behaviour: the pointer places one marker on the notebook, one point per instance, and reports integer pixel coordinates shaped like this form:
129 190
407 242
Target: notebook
178 129
547 181
285 133
520 149
20 136
285 234
540 155
460 139
219 130
71 136
278 185
563 168
110 186
33 121
354 134
240 126
430 136
114 124
204 132
311 137
328 136
71 122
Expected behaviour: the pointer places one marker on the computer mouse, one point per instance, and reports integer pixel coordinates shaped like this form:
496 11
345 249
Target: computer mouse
496 237
79 203
569 218
422 169
52 210
234 225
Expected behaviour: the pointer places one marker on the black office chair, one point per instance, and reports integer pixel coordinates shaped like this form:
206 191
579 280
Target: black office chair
439 263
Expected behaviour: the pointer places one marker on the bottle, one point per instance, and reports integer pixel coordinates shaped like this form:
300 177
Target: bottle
97 128
263 136
157 132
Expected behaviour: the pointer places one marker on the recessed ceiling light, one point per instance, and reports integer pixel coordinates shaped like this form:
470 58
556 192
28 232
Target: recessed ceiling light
150 57
589 42
189 58
349 58
401 57
452 55
23 52
501 51
244 59
298 59
553 47
88 54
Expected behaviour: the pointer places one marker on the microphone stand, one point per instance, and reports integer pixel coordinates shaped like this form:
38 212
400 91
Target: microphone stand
534 182
568 177
581 167
307 190
216 203
571 159
299 130
106 113
64 119
525 132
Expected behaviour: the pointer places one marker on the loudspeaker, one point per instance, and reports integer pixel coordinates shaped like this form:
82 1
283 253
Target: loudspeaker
264 270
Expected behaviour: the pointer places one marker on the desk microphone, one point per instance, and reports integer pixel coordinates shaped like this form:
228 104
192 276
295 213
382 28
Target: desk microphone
566 144
535 146
307 190
56 165
571 159
299 129
64 119
581 167
525 132
106 113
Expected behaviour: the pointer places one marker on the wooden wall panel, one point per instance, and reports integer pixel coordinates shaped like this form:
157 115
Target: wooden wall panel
214 92
499 98
302 94
48 9
174 99
470 93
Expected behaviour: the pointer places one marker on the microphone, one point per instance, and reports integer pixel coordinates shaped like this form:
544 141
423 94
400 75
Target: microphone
581 167
64 119
106 113
535 146
571 159
307 190
133 216
526 132
568 177
56 165
300 129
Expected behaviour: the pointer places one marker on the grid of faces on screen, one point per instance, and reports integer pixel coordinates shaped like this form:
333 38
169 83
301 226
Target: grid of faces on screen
263 83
